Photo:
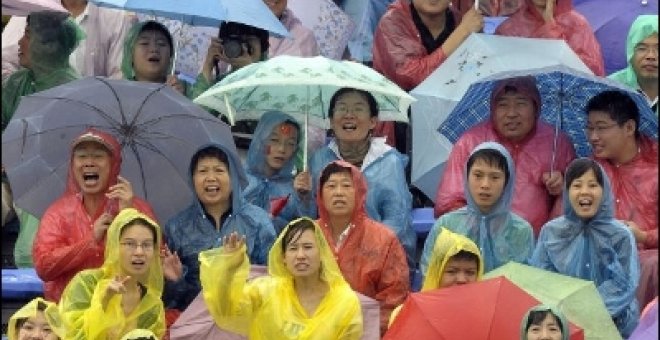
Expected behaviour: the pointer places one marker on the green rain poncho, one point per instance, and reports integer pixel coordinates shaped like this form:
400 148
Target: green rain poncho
51 314
52 38
81 307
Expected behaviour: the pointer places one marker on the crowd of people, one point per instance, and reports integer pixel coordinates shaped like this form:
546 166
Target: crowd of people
112 269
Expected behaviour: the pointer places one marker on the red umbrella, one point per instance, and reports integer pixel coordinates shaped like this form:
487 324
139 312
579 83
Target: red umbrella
488 310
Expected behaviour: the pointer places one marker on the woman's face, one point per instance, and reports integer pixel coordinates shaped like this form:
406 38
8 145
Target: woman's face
24 49
351 120
458 272
302 256
36 327
548 329
585 195
151 56
211 181
281 145
137 250
338 194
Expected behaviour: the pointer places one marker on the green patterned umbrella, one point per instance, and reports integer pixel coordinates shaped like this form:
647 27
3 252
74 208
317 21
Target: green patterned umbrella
578 299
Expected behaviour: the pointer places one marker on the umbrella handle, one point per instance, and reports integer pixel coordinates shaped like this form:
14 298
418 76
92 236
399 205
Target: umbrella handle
476 5
305 144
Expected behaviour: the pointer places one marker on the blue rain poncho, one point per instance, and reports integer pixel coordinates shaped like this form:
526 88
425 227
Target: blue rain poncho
261 188
601 250
189 232
388 199
501 235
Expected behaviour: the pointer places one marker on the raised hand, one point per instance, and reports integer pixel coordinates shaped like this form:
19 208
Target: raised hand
172 267
101 225
232 243
123 192
302 183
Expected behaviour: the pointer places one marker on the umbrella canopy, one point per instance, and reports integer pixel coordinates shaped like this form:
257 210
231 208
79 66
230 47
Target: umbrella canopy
301 87
478 57
611 24
158 129
25 7
486 310
564 95
647 329
205 12
195 323
578 299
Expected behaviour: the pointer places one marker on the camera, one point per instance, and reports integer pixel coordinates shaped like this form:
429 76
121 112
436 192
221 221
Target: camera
233 46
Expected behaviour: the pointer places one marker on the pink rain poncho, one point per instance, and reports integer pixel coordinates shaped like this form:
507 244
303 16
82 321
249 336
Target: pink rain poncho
64 244
532 157
568 25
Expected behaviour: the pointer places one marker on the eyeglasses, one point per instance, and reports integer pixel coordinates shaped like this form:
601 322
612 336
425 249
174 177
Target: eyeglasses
644 49
599 129
133 246
356 110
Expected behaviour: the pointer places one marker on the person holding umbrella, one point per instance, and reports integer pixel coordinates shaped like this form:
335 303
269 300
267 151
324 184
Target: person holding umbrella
304 297
353 115
38 319
44 50
587 242
642 55
544 323
124 293
72 232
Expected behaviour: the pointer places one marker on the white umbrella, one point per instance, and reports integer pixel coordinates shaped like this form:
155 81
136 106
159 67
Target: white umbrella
25 7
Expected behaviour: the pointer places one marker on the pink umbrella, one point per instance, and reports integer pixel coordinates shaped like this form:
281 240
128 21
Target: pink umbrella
195 323
25 7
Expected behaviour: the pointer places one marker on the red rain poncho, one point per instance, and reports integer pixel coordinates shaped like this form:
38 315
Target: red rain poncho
635 188
370 257
531 156
569 25
64 243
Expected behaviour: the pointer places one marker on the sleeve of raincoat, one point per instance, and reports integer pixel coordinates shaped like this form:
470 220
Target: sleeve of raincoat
232 301
265 234
540 258
116 48
450 195
394 283
399 54
621 275
53 252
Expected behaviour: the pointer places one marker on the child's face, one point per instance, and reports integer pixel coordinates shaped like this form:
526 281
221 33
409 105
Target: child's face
36 327
458 272
548 329
486 183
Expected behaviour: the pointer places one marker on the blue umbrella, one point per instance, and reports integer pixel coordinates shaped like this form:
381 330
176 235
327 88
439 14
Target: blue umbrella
205 12
610 22
564 95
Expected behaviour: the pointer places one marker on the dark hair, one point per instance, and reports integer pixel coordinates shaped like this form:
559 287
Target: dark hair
537 317
208 152
464 255
580 167
143 222
151 337
619 106
295 230
371 100
152 25
230 28
333 168
19 322
493 158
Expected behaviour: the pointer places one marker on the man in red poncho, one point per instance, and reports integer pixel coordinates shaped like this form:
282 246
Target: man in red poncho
514 122
556 19
71 235
369 254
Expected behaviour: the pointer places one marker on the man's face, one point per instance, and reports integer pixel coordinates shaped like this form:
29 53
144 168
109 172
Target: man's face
514 115
459 272
91 167
431 7
606 136
338 194
645 59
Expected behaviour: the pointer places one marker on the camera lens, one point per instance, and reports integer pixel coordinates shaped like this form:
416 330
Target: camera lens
233 48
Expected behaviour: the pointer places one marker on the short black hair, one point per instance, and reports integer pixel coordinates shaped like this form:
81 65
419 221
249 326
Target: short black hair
371 100
208 152
230 28
493 158
464 255
143 222
537 317
41 307
580 167
331 169
152 25
618 105
295 230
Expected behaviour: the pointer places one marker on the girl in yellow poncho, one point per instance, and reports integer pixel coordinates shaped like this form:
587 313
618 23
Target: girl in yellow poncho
124 294
38 319
455 260
305 296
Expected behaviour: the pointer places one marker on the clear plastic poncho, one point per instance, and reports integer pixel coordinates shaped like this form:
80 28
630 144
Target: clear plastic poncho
261 188
268 307
51 313
53 37
81 306
565 332
501 235
601 250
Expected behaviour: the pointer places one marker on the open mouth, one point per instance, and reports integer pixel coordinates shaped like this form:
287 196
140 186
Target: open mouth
154 59
349 126
212 189
301 266
585 203
138 263
90 178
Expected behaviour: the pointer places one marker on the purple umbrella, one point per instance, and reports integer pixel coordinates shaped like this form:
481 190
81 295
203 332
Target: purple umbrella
611 21
647 329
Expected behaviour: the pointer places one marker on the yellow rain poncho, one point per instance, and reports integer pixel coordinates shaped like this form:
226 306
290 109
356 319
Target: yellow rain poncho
81 307
268 307
51 314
